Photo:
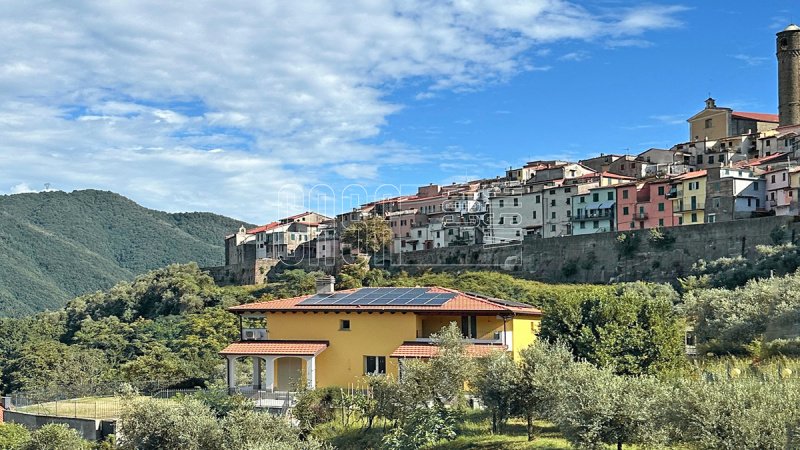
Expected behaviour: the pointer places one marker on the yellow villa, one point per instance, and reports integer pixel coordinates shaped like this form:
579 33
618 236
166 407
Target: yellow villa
335 338
689 198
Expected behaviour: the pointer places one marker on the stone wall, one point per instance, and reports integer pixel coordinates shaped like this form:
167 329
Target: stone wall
242 274
591 258
601 258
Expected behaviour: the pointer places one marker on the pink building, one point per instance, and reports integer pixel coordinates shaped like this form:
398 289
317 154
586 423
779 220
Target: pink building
781 191
644 205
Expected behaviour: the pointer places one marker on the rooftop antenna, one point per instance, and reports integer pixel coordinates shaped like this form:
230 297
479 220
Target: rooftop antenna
47 186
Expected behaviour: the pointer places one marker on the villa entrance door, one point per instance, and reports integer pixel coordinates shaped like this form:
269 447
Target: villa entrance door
289 372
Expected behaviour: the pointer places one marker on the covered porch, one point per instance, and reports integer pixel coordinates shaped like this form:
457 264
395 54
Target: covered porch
277 365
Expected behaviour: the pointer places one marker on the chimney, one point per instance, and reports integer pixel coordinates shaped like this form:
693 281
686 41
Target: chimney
325 284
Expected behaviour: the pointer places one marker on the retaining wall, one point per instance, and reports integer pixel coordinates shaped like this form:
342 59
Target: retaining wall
89 429
601 258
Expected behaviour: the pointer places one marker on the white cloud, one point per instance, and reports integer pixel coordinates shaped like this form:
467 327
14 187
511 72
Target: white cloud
208 105
21 188
574 56
751 60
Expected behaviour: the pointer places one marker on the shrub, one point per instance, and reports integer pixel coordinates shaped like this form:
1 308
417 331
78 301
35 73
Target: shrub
569 269
13 436
56 437
423 426
627 244
661 239
153 424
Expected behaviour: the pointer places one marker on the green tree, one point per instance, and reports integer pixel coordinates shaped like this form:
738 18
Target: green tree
53 366
632 328
370 235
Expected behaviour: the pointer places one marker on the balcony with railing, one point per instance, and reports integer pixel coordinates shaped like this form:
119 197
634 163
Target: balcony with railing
696 206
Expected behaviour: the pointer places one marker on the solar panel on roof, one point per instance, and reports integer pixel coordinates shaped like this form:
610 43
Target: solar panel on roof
380 297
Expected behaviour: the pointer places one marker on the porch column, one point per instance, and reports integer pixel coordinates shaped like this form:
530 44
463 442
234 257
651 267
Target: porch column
269 373
256 372
231 372
311 371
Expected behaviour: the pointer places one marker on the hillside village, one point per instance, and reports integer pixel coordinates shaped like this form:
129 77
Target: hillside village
734 165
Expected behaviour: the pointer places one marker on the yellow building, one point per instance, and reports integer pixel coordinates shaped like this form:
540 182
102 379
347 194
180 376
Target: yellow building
336 338
689 198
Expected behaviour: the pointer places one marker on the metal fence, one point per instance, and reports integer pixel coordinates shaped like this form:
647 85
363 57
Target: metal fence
95 401
105 401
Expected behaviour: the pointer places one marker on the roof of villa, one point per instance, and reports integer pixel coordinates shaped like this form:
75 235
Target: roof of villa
449 301
413 349
299 348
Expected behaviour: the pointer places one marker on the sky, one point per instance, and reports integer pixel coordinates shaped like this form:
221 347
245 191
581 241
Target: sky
257 110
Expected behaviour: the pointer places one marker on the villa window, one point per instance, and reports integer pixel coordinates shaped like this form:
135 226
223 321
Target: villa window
344 325
469 327
595 197
374 365
516 202
611 196
538 199
625 194
501 203
661 206
708 123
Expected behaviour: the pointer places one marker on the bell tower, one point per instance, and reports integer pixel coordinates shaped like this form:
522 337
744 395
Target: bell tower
788 52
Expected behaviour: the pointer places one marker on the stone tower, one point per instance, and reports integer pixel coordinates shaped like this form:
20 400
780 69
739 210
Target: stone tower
788 46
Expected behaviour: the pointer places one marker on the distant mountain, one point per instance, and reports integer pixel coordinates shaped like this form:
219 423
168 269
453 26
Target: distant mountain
57 245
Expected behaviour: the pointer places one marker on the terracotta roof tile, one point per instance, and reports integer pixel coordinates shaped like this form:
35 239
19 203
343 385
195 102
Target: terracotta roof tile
759 117
304 348
429 350
695 174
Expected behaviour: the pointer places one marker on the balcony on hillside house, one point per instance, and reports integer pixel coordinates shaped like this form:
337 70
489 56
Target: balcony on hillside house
597 211
692 206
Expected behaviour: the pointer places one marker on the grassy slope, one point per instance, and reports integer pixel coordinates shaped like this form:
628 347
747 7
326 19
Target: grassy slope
57 245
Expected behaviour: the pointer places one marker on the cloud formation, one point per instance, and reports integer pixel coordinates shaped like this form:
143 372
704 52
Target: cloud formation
214 106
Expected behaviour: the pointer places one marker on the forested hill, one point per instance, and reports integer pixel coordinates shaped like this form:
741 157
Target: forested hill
57 245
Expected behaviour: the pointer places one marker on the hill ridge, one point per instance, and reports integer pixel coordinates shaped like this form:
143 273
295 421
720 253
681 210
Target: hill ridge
56 245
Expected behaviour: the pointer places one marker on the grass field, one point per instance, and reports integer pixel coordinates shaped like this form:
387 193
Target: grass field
85 407
473 434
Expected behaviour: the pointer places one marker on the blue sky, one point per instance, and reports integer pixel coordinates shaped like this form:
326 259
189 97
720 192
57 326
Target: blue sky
243 111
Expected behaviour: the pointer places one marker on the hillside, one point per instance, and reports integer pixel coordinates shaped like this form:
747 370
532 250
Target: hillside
57 245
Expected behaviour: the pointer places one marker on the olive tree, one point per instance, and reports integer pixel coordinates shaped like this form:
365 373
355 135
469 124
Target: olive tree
541 371
495 383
